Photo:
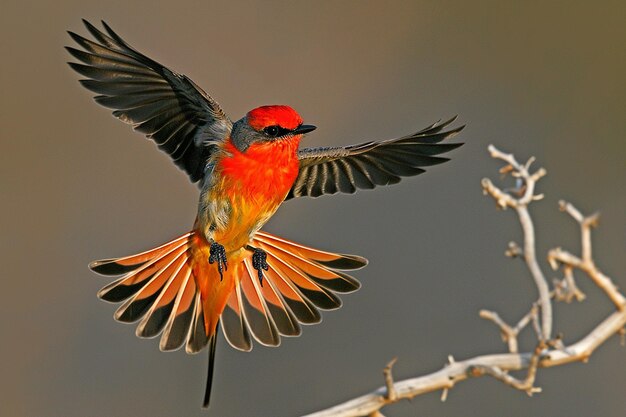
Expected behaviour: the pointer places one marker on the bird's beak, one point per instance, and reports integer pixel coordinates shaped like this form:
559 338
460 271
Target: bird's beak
303 129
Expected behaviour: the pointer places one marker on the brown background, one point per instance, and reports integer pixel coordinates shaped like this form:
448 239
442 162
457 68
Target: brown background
77 185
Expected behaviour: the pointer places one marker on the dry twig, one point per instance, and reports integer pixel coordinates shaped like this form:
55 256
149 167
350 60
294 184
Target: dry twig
558 256
508 333
391 391
526 192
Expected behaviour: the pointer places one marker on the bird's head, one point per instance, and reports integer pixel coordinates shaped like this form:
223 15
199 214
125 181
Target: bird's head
268 124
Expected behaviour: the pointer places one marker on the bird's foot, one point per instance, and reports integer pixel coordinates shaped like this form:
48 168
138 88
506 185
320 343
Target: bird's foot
217 253
259 262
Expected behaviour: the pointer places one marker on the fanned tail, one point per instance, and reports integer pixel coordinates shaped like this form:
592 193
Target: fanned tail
300 280
159 288
172 290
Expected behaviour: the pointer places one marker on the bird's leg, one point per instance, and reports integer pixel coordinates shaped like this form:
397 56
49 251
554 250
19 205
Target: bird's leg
259 262
217 253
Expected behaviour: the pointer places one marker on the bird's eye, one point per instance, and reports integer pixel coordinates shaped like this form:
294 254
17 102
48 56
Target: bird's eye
271 131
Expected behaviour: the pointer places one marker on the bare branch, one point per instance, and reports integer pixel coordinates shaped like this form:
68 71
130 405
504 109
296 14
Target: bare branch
548 352
525 190
527 385
566 289
508 333
530 316
559 257
453 373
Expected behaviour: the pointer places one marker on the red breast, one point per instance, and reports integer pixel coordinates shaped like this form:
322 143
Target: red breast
265 169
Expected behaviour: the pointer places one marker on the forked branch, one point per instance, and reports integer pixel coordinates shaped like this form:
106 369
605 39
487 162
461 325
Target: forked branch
519 198
548 352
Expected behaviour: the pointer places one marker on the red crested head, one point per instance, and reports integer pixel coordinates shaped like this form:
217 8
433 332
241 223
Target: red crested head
265 116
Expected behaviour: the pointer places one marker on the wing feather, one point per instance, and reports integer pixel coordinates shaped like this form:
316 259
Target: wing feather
167 107
364 166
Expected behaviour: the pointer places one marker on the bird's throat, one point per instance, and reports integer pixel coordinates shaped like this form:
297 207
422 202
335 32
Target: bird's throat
264 171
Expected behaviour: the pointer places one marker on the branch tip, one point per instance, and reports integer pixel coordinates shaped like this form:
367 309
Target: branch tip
391 390
444 395
514 250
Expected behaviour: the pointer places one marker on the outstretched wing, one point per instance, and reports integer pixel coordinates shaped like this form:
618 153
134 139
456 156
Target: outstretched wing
346 169
169 108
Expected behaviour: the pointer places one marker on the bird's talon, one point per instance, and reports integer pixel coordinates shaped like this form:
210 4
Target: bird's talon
217 253
259 262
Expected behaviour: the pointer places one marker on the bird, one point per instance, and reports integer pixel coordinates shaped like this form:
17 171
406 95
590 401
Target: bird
227 272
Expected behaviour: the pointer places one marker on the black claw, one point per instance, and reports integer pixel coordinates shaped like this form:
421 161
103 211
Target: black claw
259 262
217 253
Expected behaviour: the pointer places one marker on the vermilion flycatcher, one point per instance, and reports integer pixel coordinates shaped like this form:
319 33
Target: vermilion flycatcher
226 270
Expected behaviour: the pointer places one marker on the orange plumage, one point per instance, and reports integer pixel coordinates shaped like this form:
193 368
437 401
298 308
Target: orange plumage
255 184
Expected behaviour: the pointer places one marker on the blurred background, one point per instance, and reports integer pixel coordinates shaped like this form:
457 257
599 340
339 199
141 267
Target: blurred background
535 78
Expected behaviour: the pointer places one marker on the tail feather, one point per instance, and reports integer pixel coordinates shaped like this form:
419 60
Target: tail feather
139 304
256 311
300 305
298 282
179 322
160 312
160 290
210 368
330 260
198 338
134 280
119 266
328 278
175 292
284 319
320 297
234 323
